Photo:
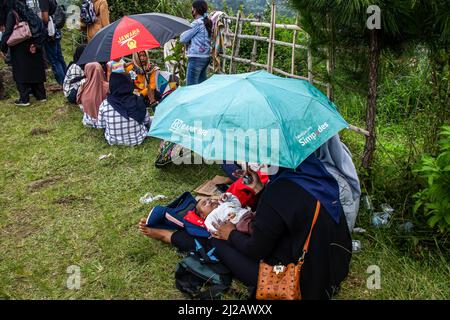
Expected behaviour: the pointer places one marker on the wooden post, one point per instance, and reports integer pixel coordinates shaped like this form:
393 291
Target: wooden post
238 41
310 65
235 41
330 58
271 52
294 41
255 46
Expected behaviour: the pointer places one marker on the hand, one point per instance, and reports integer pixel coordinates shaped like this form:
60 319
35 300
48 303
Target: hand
256 184
223 230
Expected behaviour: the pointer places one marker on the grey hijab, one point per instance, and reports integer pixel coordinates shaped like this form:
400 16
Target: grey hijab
337 159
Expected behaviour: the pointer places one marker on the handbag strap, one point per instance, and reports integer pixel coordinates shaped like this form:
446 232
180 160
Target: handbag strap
301 260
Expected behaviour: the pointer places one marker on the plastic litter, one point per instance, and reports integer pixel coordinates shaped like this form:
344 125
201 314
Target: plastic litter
359 230
356 246
406 227
149 198
381 219
105 156
387 208
367 203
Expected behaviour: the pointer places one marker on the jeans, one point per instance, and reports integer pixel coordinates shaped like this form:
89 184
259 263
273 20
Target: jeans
56 59
197 70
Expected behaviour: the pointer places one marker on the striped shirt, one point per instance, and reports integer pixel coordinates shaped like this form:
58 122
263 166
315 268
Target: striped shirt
73 72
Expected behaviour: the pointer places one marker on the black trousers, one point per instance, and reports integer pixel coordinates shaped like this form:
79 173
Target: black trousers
36 89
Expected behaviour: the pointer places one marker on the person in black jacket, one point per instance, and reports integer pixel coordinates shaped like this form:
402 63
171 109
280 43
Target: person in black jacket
27 59
3 13
283 220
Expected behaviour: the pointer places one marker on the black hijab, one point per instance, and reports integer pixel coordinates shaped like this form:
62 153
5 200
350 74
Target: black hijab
122 99
77 55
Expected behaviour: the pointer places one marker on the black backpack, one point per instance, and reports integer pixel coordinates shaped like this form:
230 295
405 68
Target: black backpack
59 17
201 276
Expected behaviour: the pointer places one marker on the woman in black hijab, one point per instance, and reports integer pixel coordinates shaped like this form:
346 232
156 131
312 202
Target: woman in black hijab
123 114
27 59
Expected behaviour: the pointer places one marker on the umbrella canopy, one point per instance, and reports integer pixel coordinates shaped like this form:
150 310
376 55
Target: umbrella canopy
133 34
254 117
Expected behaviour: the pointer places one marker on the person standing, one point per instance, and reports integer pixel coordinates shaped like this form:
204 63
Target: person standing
3 14
26 58
101 11
52 45
198 40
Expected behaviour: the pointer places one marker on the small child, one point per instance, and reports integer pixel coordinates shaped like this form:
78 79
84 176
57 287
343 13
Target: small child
117 66
228 208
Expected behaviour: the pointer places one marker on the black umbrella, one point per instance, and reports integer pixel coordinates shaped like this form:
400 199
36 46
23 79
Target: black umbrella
132 34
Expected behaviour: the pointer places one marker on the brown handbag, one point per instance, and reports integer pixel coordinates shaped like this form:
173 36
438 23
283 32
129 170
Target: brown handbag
283 282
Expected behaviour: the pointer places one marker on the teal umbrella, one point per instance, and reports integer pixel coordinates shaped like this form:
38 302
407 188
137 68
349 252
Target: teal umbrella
254 117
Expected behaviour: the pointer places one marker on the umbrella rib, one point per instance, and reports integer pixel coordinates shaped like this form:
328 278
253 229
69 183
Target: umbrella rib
277 120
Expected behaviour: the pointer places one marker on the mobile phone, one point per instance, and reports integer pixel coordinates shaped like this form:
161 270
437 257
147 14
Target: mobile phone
248 179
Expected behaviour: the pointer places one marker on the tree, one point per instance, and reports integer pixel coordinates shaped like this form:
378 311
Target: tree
343 25
432 21
120 8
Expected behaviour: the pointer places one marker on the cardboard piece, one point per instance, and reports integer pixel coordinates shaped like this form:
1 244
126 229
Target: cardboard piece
209 189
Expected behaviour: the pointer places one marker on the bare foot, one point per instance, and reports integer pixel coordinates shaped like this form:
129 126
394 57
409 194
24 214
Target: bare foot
157 234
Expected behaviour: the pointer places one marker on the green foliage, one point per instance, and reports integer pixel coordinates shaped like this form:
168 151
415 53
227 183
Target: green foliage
120 8
88 215
179 56
434 199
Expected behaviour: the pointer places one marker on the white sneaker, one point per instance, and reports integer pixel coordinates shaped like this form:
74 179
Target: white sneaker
21 104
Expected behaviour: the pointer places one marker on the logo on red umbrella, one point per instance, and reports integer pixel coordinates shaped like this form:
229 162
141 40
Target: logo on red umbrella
129 40
131 36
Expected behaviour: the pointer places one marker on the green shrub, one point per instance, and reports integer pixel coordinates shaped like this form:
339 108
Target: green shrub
120 8
434 199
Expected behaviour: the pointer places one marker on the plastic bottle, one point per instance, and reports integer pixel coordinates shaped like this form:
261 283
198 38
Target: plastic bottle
356 246
367 203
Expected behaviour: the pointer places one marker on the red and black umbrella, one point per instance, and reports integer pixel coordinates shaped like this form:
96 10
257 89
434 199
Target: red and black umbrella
133 34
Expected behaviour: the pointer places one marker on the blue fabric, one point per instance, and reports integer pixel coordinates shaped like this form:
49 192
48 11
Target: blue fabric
197 70
157 219
229 169
312 176
122 99
198 40
56 59
177 210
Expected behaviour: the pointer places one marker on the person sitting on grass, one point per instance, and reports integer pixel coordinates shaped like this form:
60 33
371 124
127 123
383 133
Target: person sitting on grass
122 114
74 76
288 209
93 90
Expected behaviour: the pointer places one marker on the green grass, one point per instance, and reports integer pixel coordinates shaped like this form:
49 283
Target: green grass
85 212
